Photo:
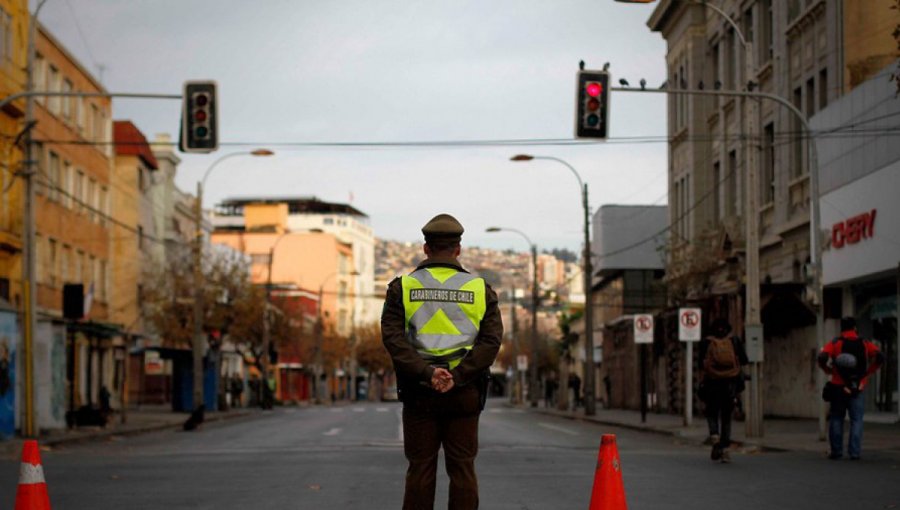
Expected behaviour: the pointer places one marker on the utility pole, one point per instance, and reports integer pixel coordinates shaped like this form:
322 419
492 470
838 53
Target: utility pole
589 404
199 284
753 326
514 395
535 353
29 263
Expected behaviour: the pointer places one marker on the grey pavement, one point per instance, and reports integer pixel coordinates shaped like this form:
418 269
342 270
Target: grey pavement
779 434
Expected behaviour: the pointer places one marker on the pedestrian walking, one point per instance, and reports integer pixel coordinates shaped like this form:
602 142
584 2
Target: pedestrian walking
442 328
721 356
575 386
850 360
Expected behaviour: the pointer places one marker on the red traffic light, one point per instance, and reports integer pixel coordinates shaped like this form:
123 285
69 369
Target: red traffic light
594 89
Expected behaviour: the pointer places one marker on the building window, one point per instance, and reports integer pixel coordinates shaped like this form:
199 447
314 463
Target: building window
140 232
259 258
104 206
78 192
101 280
53 85
68 183
55 177
767 31
797 146
748 25
52 256
39 258
89 199
90 275
810 97
67 100
730 59
717 191
40 76
65 260
78 277
96 126
6 35
716 77
731 185
328 221
768 176
823 88
41 162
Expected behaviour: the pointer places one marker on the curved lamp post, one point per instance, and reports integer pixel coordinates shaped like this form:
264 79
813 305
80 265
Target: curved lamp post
533 394
197 343
589 404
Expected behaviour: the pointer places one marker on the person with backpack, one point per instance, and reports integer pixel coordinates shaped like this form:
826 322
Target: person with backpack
850 360
721 358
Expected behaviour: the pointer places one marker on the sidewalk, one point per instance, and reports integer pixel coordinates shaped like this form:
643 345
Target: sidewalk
138 421
779 434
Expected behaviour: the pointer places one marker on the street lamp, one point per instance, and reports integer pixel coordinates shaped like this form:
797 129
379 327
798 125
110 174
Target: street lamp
197 343
534 305
320 326
589 404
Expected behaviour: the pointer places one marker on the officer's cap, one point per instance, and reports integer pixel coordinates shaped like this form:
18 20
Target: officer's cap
443 227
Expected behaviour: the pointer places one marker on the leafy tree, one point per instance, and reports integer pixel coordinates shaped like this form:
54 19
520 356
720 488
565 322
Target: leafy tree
370 352
232 306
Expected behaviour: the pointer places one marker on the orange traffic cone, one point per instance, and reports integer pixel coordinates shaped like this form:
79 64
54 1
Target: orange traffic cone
608 493
32 492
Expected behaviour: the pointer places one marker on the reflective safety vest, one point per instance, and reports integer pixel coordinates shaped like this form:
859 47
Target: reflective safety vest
443 312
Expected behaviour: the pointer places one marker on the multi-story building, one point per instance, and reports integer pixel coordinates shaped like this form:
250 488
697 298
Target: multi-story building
345 222
74 163
136 244
175 209
809 52
13 21
860 176
306 271
629 281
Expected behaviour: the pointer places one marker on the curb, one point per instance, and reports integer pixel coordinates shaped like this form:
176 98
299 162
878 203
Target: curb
748 446
12 446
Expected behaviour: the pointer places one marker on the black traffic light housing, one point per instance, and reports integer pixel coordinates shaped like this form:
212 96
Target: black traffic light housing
199 117
592 107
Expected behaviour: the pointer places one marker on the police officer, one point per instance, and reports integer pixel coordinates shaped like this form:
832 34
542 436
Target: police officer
442 328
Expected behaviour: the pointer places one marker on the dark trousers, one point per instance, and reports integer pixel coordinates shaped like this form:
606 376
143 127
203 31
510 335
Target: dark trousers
719 408
432 421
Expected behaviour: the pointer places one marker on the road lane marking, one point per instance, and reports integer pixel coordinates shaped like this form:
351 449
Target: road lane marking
400 425
359 409
557 428
381 409
333 432
337 409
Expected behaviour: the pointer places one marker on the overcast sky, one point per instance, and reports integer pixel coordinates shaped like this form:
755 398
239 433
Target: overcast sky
300 71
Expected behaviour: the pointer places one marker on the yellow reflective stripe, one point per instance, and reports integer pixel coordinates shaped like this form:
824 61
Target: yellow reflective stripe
409 308
476 311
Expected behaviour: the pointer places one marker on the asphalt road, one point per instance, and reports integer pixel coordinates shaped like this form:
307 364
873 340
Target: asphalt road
350 457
